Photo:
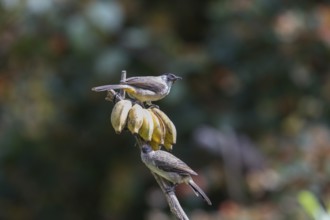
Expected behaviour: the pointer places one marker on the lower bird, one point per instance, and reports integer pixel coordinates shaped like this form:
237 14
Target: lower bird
171 168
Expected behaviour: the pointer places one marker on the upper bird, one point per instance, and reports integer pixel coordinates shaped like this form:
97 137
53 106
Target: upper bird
144 88
171 168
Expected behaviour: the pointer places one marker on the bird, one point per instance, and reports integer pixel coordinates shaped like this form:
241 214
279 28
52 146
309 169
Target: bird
171 168
144 88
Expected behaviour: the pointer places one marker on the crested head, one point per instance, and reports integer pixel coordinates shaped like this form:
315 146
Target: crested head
170 77
146 149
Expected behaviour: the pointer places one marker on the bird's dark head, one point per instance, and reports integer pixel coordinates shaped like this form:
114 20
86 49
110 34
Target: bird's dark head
146 149
170 77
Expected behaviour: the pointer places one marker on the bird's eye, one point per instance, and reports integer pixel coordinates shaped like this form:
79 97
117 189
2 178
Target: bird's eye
171 76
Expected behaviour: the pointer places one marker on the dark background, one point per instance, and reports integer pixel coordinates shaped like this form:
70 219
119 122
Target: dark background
252 110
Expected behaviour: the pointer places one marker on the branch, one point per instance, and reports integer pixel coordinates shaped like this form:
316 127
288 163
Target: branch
172 200
167 187
122 79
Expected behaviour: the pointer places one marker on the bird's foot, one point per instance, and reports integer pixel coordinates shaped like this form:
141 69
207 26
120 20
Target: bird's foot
134 101
150 105
170 188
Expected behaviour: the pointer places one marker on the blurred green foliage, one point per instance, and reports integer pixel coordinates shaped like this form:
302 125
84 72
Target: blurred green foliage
312 206
258 69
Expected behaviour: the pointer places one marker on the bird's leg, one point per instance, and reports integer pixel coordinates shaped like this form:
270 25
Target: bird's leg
170 187
150 105
135 101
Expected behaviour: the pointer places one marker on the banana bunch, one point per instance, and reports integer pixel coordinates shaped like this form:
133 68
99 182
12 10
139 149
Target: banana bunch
151 124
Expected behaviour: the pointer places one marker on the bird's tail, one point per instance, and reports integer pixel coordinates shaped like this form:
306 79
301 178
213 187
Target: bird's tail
198 191
108 87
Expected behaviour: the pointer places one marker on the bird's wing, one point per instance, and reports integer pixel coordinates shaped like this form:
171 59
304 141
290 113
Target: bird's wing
170 163
154 84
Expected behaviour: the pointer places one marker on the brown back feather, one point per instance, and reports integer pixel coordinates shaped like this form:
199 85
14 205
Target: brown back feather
146 82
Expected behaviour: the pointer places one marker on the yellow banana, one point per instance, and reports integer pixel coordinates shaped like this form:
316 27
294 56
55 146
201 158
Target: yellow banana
119 115
154 145
135 118
147 128
170 135
158 135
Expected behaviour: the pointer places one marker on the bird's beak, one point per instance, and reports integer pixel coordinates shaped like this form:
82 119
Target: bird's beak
177 77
